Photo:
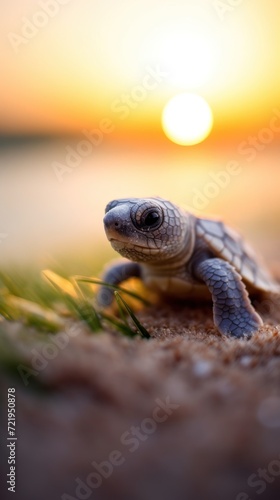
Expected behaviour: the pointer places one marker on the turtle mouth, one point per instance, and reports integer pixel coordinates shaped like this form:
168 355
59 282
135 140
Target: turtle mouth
134 252
122 244
126 249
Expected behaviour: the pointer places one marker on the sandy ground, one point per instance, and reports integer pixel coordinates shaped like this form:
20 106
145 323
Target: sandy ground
187 415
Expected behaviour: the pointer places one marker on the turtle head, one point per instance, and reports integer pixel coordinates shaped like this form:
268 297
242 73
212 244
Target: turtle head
148 230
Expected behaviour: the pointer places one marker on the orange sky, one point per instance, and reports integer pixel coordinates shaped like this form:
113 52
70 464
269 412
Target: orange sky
88 57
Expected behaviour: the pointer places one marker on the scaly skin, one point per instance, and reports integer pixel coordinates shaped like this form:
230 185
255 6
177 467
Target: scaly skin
233 312
115 275
173 246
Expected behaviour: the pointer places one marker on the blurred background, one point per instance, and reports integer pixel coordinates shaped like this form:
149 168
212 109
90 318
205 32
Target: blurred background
84 86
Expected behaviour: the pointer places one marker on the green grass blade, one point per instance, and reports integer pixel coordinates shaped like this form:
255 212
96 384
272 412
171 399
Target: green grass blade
10 284
62 285
6 311
119 325
121 309
88 314
96 281
145 334
74 298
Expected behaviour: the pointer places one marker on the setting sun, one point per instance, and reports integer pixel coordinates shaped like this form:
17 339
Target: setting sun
187 119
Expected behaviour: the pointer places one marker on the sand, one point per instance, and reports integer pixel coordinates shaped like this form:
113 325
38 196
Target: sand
186 415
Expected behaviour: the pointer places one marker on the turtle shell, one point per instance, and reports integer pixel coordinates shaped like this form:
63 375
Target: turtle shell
225 243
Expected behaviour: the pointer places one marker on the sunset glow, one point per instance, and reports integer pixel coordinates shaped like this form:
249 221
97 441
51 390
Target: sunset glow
104 99
187 119
73 64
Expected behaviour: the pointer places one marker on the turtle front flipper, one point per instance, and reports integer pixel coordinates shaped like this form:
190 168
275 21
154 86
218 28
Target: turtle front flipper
233 312
114 275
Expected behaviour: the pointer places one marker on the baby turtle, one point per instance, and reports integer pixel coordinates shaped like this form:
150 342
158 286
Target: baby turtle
179 254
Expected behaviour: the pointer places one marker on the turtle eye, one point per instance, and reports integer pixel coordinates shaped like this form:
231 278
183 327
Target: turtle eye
147 219
151 219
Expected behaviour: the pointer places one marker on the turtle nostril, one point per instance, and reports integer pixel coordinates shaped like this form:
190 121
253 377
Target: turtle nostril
117 224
